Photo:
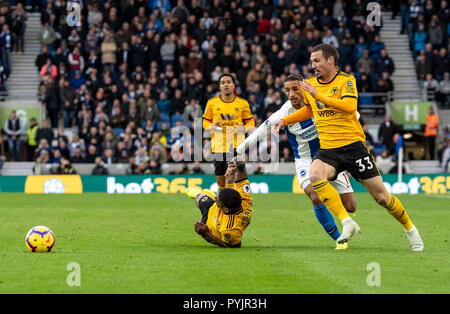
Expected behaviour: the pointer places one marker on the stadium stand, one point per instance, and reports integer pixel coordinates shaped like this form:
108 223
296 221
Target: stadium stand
116 86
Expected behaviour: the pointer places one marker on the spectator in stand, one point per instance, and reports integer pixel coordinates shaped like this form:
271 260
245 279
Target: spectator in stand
13 128
384 162
19 19
108 49
99 168
47 34
386 134
441 63
385 63
43 149
52 103
65 167
431 130
44 132
6 48
443 96
435 34
192 111
365 64
32 138
420 36
78 158
49 70
431 86
423 67
2 157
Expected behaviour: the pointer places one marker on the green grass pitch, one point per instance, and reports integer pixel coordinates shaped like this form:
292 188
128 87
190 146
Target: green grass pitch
146 244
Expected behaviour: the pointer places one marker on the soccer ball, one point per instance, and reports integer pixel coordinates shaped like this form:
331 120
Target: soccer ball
40 239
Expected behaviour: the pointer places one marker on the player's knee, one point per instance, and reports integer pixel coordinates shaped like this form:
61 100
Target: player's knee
350 205
382 198
315 176
315 199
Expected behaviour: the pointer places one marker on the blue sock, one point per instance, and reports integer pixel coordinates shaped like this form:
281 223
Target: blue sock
327 221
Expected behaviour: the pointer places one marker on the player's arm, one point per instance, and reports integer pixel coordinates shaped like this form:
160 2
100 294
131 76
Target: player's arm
237 168
247 118
300 115
203 231
208 119
348 102
261 132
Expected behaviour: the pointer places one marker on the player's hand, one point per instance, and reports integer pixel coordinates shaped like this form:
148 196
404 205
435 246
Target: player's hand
240 129
200 227
231 170
307 86
277 126
217 126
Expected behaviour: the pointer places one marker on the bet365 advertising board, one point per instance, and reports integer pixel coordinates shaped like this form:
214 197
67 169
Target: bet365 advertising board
171 184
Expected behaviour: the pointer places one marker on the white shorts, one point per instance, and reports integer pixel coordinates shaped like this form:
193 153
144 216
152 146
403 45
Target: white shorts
341 184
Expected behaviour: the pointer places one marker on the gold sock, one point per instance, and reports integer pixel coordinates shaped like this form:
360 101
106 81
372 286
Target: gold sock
396 209
330 197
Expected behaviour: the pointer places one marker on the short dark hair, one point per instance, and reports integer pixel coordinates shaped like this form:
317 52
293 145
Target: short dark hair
327 51
231 199
227 74
294 77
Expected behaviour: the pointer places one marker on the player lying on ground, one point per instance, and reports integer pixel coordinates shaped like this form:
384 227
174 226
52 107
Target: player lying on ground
331 98
225 216
305 144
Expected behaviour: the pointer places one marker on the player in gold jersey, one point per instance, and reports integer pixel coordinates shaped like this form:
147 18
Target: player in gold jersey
228 117
225 216
331 98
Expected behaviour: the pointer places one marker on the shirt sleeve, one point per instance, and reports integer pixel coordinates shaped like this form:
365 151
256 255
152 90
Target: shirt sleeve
208 117
262 131
348 89
305 99
232 236
300 115
247 117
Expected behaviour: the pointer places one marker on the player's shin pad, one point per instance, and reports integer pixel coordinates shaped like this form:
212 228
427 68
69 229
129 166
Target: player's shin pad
396 209
330 197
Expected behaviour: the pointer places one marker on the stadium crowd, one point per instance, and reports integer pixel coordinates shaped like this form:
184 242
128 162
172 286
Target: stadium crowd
428 25
135 70
12 30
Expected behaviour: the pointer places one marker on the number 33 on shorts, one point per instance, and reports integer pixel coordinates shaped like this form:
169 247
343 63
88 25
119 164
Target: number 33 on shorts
364 163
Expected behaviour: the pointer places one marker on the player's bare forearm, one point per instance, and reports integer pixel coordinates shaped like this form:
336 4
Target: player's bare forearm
203 231
241 171
237 168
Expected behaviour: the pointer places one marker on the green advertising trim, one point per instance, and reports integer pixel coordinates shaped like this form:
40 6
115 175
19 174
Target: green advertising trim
259 184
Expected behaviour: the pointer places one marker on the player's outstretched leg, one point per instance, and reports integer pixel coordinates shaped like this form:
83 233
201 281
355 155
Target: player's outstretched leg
330 197
395 208
322 214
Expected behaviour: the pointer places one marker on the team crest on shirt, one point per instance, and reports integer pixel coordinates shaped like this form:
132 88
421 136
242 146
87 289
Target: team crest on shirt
350 83
227 236
246 188
334 90
236 109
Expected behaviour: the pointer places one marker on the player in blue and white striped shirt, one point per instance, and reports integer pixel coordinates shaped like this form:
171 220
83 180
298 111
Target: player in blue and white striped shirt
305 143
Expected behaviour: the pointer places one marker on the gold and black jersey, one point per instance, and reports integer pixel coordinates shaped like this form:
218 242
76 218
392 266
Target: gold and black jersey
231 113
335 128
